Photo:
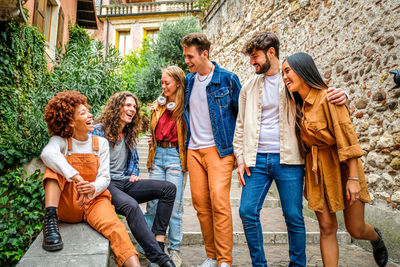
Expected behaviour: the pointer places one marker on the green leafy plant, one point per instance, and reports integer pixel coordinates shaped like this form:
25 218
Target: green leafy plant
134 63
21 213
165 51
84 66
23 74
203 4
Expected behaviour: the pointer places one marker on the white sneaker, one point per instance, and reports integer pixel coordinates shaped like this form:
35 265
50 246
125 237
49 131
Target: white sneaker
209 263
175 257
224 264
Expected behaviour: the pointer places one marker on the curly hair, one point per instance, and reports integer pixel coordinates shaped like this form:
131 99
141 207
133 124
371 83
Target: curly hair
111 119
59 112
262 41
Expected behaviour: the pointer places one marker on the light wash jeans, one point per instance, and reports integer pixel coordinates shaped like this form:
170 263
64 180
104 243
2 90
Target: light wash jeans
289 181
167 167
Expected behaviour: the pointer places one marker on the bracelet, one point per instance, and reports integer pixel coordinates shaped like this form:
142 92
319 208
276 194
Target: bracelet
354 179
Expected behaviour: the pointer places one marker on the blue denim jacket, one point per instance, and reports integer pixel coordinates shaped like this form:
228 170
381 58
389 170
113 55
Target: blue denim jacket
222 97
132 164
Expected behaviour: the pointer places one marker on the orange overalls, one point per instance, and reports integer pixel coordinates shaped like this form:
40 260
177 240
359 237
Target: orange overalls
98 212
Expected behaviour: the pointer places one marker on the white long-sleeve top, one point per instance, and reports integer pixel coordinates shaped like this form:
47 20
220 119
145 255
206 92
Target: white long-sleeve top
53 157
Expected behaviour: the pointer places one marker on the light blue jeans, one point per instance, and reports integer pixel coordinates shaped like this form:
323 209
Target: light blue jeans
167 167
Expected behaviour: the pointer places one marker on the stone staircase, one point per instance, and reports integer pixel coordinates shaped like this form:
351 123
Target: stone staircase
274 231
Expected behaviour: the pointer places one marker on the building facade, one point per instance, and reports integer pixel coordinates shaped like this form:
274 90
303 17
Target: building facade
53 17
128 22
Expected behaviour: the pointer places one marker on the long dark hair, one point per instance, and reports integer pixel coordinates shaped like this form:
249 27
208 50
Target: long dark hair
304 66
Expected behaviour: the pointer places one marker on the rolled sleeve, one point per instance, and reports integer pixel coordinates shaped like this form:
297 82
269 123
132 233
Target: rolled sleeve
346 138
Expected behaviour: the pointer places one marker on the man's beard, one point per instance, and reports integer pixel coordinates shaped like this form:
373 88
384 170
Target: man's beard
264 67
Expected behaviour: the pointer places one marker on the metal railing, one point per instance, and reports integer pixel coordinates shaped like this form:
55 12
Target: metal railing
159 7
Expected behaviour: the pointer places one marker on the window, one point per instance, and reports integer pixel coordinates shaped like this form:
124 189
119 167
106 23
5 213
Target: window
48 17
47 20
151 34
39 14
60 29
124 42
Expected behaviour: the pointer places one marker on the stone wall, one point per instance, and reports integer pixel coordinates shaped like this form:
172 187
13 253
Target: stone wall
355 43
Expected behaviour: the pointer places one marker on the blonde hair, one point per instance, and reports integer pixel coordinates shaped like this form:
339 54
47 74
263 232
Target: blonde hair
178 75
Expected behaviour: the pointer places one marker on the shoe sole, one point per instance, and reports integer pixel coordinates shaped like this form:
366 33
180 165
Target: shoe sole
54 247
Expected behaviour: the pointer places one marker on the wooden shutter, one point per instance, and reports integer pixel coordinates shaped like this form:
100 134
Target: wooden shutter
39 14
60 30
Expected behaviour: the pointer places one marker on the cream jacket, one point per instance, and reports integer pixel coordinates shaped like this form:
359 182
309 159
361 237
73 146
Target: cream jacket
248 123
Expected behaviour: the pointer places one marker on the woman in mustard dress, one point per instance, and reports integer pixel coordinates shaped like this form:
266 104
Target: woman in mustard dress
334 174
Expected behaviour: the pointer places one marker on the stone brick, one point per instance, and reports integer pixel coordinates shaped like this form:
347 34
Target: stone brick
327 74
379 96
395 164
362 103
369 52
396 197
339 68
389 40
347 77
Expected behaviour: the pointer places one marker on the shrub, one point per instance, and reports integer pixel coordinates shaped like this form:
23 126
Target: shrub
21 213
164 52
134 63
84 66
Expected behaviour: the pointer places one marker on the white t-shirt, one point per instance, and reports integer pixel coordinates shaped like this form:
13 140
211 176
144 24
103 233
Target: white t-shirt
53 157
269 140
201 134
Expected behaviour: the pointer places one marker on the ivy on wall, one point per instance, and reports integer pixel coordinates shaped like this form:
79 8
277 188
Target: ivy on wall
23 70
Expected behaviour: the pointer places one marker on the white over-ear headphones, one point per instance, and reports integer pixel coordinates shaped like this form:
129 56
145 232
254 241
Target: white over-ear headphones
161 101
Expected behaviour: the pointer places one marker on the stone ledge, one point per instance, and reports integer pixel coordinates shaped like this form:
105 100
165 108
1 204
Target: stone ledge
83 246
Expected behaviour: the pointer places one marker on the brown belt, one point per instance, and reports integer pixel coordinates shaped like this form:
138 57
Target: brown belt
165 144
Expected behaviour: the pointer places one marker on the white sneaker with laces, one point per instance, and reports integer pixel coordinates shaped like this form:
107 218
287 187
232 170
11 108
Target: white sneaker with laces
224 264
175 257
209 263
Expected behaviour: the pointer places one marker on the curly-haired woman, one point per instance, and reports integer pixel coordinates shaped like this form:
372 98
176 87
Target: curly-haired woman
167 154
77 176
120 123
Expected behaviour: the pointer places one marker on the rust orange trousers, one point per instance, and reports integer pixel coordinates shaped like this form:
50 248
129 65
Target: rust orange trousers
210 184
99 213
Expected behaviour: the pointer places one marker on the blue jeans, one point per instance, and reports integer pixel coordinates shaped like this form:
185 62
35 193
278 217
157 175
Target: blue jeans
289 181
167 167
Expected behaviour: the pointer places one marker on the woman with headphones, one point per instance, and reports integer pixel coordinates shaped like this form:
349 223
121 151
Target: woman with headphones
167 153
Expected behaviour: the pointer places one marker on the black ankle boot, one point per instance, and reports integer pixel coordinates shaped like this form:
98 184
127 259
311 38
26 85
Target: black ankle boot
51 236
162 245
168 263
380 251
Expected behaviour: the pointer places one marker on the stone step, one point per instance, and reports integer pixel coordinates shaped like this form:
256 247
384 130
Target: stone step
83 246
277 256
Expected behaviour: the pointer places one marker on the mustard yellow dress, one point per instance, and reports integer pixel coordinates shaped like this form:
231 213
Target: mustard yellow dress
329 135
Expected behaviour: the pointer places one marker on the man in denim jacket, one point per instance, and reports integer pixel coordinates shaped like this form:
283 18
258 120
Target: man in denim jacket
211 106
